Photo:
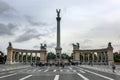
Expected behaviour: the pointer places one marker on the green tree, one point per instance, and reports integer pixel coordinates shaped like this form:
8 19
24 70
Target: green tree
116 57
50 56
2 59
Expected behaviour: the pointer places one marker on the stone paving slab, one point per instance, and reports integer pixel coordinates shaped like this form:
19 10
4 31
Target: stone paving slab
6 67
103 68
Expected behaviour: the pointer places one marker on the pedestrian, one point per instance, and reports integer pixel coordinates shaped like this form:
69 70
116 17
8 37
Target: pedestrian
113 67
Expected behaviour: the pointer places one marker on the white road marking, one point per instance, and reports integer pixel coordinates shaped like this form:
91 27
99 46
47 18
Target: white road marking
61 70
39 70
82 76
8 75
81 71
56 77
25 77
99 75
54 70
46 70
70 68
96 74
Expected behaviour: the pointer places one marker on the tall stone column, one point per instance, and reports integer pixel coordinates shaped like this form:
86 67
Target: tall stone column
58 47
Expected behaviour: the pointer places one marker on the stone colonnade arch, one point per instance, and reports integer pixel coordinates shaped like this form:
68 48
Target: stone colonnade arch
17 55
94 56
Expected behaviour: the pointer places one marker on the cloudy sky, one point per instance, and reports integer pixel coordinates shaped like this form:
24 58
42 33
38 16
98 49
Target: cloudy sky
27 23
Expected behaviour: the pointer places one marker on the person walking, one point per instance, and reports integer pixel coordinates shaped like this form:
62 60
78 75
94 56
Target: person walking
113 67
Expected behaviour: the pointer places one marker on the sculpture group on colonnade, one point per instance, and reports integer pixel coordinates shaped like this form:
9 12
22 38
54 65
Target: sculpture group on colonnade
15 55
93 56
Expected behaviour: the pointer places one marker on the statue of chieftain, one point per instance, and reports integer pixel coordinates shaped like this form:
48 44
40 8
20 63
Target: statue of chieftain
43 46
58 12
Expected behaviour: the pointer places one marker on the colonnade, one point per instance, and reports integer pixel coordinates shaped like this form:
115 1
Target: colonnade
94 56
24 56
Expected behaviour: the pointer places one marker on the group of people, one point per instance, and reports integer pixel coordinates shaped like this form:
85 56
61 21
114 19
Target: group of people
40 64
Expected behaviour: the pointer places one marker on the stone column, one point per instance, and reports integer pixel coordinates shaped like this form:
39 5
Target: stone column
22 56
31 57
101 57
98 57
93 59
26 58
35 57
14 56
88 57
83 57
58 47
17 56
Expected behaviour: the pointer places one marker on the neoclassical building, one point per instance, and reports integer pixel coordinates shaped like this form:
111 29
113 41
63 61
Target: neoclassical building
93 56
21 55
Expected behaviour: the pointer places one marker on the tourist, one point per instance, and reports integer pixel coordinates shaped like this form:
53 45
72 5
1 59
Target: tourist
113 67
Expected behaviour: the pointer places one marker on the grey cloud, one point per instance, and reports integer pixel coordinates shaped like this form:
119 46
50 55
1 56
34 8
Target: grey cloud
105 29
28 35
36 46
7 29
51 45
32 22
5 9
87 41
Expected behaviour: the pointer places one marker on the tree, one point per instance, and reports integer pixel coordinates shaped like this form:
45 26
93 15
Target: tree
2 58
50 56
116 57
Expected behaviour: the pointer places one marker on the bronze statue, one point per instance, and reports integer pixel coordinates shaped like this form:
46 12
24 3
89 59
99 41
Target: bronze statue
58 12
10 45
43 46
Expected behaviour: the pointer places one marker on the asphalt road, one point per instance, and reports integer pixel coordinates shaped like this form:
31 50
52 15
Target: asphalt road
57 73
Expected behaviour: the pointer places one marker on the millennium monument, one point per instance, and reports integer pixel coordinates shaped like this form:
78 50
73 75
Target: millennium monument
58 47
88 56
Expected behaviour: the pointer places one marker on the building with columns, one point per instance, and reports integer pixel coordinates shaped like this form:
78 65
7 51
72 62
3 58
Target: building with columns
94 56
21 55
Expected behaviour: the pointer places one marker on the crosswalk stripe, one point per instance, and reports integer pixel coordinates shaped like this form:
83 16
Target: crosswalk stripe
39 70
25 77
82 76
46 70
81 71
56 77
97 74
8 75
54 70
61 70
